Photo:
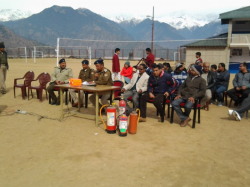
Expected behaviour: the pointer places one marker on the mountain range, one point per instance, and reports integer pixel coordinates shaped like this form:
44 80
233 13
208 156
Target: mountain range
66 22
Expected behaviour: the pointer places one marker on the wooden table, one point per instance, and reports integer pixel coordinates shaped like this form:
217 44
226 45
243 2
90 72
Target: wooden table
94 89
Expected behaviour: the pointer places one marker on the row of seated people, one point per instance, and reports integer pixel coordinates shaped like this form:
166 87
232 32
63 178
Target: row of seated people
141 82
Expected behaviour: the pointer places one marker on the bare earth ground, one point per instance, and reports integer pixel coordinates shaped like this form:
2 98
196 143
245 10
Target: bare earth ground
51 153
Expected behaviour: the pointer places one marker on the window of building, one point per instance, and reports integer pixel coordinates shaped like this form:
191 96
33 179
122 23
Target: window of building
237 52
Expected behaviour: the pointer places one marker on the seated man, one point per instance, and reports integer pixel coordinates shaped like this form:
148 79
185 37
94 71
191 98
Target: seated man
86 74
102 77
214 68
61 75
193 87
241 85
137 85
179 75
160 85
239 113
209 77
167 68
221 83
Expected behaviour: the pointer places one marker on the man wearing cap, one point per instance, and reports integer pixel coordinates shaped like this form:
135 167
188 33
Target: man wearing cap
61 75
86 74
193 87
116 65
4 66
102 77
150 58
179 74
127 72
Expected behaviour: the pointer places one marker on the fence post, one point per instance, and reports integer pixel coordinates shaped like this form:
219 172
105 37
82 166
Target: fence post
143 52
155 53
95 53
103 53
122 53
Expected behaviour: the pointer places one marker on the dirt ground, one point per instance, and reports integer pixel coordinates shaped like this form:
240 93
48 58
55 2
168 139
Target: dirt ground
68 153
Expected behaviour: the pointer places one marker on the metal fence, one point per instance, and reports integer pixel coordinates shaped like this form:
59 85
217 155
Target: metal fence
178 54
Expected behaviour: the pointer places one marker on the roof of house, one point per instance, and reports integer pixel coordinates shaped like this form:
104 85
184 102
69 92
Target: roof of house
215 41
240 13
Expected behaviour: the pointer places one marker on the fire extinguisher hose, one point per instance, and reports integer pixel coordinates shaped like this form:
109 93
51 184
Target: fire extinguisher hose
105 126
139 114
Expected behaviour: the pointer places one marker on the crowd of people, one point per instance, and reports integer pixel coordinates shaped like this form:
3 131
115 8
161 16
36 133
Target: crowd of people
152 82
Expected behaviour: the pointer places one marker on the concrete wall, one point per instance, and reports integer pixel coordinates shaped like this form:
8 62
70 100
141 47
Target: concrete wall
213 56
243 58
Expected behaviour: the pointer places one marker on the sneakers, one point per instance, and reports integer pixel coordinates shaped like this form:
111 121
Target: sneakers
237 116
141 119
3 91
219 104
230 112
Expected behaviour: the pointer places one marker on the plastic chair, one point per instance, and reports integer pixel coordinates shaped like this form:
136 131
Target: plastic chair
43 79
196 106
28 77
164 102
238 95
117 92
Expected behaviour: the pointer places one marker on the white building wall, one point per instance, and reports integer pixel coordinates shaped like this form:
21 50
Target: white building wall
213 56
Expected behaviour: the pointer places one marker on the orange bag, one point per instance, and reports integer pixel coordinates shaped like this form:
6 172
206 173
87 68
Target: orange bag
75 82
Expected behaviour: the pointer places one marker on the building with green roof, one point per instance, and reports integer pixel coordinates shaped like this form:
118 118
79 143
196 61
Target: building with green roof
229 48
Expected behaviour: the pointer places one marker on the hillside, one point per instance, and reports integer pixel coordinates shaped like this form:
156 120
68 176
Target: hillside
11 39
65 22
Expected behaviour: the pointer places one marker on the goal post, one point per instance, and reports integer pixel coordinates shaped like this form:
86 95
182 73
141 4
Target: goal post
69 50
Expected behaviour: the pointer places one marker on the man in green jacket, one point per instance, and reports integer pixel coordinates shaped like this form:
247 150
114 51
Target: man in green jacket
3 68
86 74
61 75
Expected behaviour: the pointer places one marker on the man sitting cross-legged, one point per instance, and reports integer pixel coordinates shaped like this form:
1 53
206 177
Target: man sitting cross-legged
239 113
241 85
193 87
160 85
137 85
86 74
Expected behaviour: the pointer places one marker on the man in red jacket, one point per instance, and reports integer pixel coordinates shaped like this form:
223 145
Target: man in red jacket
116 65
150 58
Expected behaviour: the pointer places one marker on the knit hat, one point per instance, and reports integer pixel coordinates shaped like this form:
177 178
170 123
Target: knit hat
85 62
128 63
197 69
2 45
62 60
178 65
100 61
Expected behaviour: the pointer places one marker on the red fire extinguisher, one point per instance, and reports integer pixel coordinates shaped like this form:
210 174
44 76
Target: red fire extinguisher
111 119
123 125
122 106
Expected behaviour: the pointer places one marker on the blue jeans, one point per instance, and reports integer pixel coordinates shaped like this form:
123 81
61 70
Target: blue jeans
219 89
127 80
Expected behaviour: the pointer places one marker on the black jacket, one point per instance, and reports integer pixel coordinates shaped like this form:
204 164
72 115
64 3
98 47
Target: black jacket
7 65
211 78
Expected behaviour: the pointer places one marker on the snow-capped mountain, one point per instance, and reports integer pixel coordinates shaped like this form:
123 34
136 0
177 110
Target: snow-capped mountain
180 21
175 19
11 15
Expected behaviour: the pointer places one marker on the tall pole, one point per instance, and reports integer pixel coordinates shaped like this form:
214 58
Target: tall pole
152 43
